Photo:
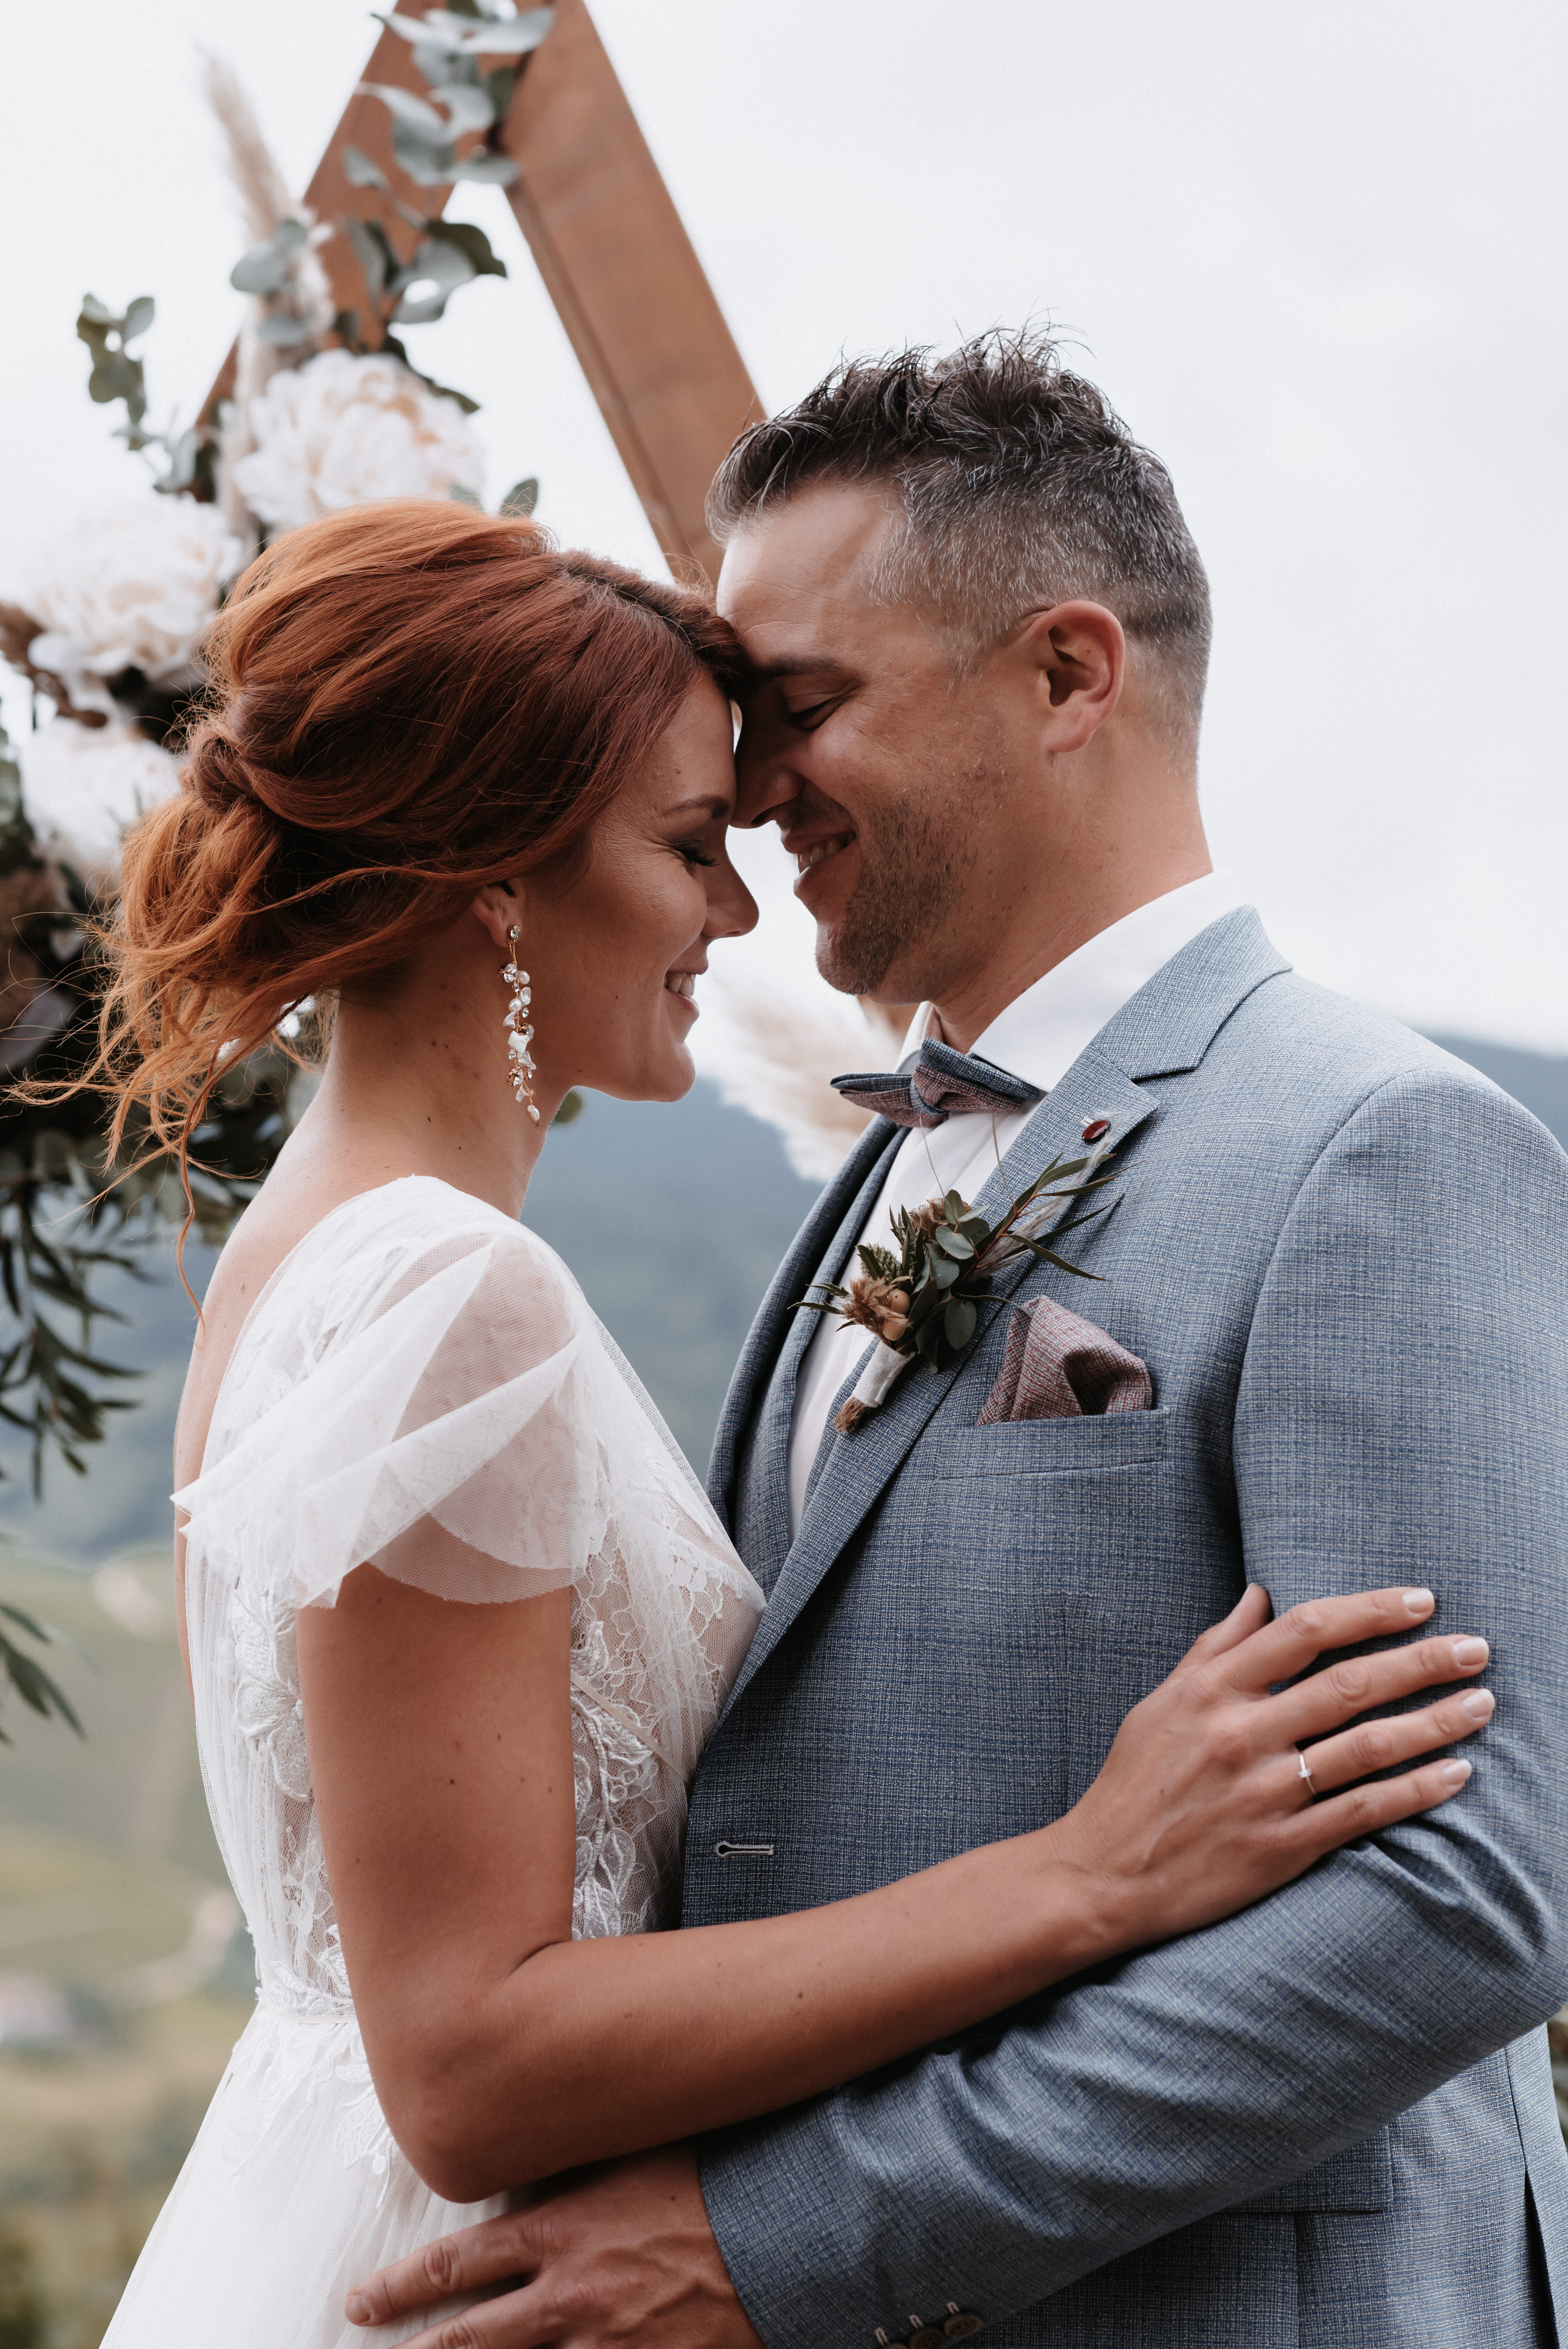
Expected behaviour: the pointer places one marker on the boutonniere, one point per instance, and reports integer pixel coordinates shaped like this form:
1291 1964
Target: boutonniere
924 1303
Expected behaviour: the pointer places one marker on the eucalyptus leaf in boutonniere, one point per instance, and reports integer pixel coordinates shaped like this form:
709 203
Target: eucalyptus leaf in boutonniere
924 1303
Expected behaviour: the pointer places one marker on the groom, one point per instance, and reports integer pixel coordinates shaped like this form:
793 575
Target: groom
979 628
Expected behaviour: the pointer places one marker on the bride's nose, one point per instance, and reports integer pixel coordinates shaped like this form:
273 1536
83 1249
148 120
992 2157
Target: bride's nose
731 908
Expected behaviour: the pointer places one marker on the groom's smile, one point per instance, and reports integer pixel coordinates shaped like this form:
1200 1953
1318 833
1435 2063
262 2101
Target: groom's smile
811 854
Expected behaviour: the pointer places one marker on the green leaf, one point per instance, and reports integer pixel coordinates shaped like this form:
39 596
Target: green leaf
1048 1255
462 35
439 65
28 1623
467 106
267 268
472 242
489 171
282 330
114 376
521 498
571 1107
955 1207
360 171
373 250
436 261
501 83
958 1324
95 313
929 1342
408 112
138 318
954 1244
428 165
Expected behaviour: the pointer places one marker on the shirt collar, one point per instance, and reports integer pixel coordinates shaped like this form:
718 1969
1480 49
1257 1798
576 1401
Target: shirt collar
1042 1031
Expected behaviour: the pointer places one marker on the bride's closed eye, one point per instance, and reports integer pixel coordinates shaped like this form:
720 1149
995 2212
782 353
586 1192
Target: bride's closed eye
694 852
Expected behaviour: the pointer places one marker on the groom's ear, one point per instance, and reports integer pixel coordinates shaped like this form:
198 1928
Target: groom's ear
1077 655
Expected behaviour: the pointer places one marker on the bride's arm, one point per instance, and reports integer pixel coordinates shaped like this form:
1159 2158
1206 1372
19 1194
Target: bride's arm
503 2051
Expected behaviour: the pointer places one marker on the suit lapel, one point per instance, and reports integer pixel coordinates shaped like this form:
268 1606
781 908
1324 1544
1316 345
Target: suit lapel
1165 1029
751 1448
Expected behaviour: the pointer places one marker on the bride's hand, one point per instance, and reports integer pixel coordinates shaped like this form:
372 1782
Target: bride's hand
1202 1807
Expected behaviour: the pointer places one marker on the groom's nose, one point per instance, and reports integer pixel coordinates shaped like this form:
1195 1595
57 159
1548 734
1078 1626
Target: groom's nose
766 785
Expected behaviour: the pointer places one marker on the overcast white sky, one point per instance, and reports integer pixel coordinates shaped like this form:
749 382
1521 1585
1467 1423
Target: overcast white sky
1314 255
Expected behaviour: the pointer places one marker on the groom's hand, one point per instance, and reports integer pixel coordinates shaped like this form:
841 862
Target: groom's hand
620 2257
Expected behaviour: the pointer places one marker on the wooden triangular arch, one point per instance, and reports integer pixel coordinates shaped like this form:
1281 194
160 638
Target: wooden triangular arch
616 259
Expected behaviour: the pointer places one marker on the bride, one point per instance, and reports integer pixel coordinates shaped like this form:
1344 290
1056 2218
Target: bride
458 1618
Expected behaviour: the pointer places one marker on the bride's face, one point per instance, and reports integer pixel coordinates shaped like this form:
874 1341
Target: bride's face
615 949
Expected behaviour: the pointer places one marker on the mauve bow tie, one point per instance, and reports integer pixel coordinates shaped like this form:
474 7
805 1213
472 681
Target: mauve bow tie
937 1083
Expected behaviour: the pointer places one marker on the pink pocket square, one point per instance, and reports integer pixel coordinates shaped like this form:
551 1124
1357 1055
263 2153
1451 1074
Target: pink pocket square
1060 1367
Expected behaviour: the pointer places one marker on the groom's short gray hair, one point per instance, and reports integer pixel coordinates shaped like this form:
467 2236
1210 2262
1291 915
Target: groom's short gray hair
1021 488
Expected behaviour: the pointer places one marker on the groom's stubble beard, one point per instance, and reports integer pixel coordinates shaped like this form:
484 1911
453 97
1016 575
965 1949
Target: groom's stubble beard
916 859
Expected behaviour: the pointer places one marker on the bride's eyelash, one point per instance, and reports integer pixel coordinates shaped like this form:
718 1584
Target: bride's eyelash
694 852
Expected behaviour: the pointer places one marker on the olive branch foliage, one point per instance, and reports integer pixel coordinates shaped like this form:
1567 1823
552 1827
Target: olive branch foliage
69 1212
27 1675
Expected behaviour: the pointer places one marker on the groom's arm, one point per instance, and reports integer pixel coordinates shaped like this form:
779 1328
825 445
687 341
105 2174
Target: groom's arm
1402 1415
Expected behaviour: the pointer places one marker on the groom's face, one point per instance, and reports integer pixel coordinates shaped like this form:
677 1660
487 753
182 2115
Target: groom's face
884 770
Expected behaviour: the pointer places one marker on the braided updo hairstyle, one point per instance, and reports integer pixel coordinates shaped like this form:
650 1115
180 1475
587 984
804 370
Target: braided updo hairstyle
407 701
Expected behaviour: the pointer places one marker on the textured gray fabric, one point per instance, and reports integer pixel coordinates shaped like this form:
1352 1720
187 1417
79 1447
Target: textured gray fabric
1341 1254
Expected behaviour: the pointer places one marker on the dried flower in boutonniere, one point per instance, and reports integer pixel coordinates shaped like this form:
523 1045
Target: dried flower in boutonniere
924 1304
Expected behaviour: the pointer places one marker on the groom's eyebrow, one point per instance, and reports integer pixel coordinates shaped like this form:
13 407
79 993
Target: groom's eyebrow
802 664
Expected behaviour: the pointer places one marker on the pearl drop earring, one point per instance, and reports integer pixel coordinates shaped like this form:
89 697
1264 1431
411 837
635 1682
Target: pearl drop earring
519 1036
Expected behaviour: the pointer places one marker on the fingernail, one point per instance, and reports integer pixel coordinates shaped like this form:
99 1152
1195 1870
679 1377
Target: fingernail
1419 1603
1455 1773
1480 1705
357 2308
1470 1652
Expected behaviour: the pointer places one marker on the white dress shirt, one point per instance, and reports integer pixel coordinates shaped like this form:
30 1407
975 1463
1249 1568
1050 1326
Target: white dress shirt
1038 1037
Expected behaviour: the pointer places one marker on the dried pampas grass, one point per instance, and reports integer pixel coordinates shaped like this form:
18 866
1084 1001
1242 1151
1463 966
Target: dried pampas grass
773 1051
265 204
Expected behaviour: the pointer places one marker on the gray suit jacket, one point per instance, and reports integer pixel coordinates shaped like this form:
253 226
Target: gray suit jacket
1328 2120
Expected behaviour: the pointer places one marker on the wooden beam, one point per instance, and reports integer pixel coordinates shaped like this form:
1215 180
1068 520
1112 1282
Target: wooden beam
630 291
615 259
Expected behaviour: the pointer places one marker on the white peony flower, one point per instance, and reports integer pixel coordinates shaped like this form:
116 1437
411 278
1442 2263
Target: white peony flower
129 585
341 430
83 785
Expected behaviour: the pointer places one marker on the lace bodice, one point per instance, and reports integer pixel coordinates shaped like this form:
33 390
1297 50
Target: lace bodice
421 1385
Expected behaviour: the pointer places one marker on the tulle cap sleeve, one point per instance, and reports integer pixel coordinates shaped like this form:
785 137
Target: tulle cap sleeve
419 1401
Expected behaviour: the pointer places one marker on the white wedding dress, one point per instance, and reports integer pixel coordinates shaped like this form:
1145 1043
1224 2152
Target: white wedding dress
421 1385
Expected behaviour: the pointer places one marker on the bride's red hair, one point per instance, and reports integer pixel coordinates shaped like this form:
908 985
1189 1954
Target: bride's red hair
407 700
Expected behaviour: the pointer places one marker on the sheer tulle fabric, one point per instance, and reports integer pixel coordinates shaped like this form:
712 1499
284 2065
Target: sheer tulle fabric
421 1385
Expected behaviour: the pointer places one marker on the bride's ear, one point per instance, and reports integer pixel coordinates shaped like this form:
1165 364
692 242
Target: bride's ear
498 907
